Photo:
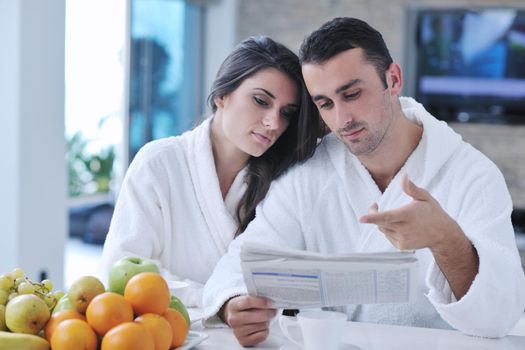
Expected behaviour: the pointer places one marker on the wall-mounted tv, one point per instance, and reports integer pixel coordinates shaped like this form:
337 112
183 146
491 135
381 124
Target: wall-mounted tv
468 65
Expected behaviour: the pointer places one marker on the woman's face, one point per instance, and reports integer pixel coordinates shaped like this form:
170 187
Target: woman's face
254 116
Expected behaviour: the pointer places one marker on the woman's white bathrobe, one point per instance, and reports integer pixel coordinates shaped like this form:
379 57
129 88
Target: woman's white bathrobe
170 209
317 206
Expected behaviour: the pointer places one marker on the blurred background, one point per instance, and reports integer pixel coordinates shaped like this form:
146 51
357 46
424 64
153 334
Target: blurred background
84 84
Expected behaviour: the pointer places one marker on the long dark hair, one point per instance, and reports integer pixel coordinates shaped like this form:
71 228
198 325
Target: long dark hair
344 33
298 141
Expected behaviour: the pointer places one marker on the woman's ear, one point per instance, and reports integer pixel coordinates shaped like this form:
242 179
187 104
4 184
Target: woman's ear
219 101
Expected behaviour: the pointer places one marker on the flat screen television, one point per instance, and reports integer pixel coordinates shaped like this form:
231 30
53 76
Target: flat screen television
470 63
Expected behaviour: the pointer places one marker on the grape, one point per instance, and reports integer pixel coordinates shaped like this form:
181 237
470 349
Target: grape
3 297
20 280
48 285
50 300
59 294
26 288
6 281
17 283
18 273
11 296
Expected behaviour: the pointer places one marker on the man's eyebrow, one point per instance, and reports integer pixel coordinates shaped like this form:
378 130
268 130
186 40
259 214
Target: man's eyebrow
266 92
338 90
347 85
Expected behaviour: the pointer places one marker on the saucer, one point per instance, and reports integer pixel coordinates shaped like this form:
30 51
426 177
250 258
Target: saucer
177 285
341 347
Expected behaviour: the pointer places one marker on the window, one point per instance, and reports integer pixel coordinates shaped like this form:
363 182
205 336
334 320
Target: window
165 74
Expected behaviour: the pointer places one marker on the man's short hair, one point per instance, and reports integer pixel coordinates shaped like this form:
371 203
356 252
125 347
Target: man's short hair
344 33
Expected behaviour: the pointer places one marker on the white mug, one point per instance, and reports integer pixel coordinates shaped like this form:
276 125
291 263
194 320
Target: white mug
321 330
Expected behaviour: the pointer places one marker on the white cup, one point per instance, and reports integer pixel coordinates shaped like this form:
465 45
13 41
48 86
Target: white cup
321 330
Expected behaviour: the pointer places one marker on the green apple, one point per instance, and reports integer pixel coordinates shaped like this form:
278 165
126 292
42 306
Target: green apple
176 304
83 290
3 326
63 304
125 268
26 314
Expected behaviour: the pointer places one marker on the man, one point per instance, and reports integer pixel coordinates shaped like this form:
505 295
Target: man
358 194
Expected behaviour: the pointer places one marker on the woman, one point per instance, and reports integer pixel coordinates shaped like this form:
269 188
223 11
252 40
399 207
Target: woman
185 198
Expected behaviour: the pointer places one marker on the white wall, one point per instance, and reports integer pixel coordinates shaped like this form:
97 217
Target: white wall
33 213
220 36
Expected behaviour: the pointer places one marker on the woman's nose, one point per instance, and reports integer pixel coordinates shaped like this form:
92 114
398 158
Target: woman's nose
272 120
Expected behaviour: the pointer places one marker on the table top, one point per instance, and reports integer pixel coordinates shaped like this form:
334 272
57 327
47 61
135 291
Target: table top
368 336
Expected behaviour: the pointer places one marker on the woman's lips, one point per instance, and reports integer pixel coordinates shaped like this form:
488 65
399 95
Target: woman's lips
262 138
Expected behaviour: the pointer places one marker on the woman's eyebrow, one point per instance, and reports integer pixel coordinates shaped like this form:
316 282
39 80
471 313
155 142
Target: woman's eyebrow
266 92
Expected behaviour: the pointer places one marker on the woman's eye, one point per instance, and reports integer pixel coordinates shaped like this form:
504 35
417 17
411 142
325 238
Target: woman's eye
325 105
289 113
260 101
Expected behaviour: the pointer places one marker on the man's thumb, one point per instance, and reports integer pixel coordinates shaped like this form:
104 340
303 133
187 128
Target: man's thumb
412 190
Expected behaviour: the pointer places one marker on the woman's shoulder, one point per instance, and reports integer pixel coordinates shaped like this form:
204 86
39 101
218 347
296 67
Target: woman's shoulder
172 146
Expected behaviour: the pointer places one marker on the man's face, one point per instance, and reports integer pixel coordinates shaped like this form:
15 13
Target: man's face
352 99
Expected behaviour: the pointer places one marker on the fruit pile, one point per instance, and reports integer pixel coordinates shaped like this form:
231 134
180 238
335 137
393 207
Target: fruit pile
137 312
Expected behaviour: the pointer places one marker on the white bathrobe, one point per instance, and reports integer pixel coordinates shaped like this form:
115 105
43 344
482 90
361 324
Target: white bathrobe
170 209
317 206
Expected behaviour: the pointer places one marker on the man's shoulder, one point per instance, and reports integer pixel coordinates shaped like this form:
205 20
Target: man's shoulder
316 171
321 159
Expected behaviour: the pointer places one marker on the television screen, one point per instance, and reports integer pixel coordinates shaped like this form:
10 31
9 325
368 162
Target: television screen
471 64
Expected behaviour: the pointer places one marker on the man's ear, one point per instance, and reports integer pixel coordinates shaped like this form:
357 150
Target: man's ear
394 79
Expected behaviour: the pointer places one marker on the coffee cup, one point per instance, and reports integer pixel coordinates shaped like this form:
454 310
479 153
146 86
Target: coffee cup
320 329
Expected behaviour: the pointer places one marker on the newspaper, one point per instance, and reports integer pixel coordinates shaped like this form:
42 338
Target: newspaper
296 279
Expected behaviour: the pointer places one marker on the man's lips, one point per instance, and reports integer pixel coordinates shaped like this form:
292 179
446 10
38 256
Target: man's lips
353 134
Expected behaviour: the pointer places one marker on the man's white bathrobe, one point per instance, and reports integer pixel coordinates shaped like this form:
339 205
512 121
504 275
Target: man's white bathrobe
317 206
170 209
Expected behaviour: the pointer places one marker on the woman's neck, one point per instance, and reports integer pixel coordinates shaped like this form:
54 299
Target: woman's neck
229 160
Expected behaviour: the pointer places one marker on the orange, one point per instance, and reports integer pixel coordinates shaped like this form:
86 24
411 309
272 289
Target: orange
147 292
179 326
159 328
74 334
58 317
108 310
128 336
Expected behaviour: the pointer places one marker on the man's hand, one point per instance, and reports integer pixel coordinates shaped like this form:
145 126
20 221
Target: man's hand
249 317
424 224
419 224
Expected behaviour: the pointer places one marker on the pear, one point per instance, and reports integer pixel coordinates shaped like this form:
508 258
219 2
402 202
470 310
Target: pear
26 314
82 291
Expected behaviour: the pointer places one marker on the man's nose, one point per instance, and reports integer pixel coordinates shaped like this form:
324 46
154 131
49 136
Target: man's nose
342 115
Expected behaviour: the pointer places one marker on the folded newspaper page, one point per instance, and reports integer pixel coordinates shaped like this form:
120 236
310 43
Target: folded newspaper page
296 279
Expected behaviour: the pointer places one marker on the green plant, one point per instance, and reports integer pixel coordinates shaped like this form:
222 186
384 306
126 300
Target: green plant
88 173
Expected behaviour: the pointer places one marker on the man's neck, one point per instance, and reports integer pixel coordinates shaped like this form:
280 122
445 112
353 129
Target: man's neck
386 161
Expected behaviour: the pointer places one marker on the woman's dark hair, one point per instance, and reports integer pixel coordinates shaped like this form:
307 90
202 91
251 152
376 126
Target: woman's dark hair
298 141
344 33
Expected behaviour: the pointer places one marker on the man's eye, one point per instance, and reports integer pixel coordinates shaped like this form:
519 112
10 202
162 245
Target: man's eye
352 95
260 101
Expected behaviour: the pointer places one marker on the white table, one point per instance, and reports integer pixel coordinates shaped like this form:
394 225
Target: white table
368 336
